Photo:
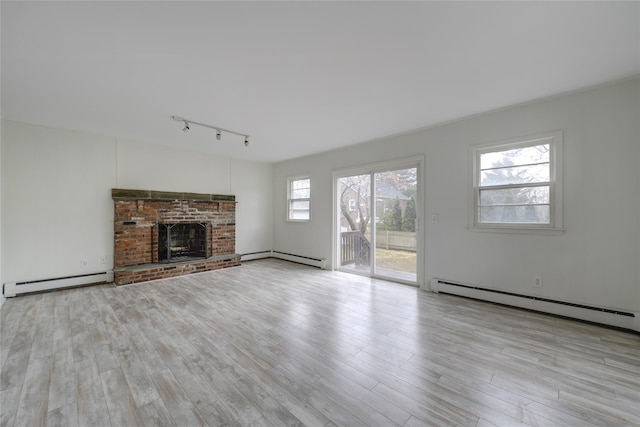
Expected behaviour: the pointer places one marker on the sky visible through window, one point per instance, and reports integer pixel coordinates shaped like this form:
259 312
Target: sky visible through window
299 199
514 185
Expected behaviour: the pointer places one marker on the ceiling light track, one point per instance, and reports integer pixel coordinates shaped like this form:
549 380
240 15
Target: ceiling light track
218 129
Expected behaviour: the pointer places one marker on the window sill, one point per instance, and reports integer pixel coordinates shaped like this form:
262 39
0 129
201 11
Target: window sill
518 230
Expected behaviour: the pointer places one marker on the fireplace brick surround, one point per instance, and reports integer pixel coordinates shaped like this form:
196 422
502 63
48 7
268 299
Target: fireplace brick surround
137 216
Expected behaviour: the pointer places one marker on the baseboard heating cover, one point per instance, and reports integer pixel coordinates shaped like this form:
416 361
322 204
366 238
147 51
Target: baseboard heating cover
256 255
620 319
315 262
13 289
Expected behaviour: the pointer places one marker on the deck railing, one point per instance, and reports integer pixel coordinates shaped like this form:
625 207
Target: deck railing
354 248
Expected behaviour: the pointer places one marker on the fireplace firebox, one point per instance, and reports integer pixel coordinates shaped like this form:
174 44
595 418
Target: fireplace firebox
182 242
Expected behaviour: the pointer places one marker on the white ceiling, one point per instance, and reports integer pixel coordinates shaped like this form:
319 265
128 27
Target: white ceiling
299 77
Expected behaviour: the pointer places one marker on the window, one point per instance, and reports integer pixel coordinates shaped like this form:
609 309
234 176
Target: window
299 199
516 184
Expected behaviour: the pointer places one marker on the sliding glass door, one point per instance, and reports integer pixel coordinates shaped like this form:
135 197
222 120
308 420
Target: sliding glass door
395 225
376 222
354 222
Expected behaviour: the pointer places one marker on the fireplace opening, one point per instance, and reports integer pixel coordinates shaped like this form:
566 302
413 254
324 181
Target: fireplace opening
182 242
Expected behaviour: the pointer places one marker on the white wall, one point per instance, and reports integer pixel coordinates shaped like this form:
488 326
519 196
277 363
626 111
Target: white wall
49 175
595 262
153 167
56 196
2 298
252 183
56 207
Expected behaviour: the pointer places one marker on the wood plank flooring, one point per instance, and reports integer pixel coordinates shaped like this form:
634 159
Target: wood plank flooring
273 343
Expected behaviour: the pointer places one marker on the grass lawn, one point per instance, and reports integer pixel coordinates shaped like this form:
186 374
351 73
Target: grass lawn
396 260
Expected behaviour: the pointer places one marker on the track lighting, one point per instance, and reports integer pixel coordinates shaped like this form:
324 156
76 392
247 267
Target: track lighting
218 130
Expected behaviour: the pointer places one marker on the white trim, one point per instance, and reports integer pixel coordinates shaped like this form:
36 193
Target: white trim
555 185
371 168
290 180
368 168
519 230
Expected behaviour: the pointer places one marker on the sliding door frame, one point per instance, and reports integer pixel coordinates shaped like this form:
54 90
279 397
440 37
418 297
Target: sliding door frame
372 168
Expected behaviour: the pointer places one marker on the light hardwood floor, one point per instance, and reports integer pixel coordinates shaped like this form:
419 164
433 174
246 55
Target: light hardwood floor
273 343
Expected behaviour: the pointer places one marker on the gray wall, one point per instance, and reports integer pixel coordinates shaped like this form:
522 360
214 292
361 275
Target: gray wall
595 261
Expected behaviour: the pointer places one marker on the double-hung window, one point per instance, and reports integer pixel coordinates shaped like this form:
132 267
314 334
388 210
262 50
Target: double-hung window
299 199
517 184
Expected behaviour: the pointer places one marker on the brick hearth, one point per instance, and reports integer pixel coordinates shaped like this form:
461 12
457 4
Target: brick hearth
136 219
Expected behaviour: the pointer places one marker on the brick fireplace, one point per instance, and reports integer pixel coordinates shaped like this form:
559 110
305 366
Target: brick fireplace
167 234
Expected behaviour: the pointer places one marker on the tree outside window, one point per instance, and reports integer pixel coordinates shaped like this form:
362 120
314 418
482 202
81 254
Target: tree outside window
516 184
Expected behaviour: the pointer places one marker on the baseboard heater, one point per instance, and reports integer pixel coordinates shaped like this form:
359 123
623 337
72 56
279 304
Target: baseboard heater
314 262
14 289
620 319
256 255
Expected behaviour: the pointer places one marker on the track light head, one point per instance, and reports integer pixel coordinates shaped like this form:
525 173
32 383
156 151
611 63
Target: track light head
219 130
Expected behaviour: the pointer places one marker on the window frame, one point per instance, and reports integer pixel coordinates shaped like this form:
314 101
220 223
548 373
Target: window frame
290 200
555 224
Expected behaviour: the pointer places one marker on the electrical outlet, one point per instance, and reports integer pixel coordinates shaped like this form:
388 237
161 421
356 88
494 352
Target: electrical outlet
537 282
84 263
